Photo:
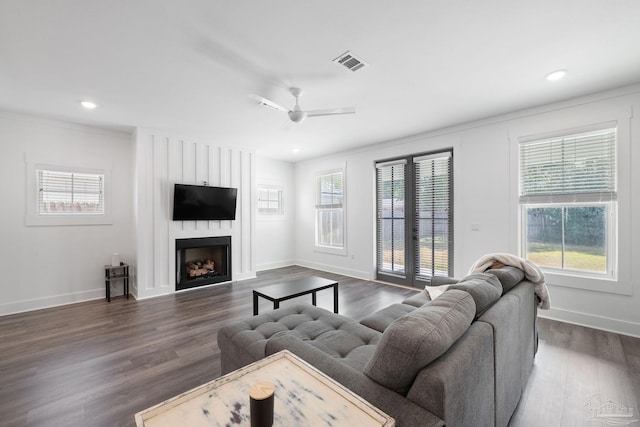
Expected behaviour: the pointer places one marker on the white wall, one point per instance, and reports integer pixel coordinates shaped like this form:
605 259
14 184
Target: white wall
274 233
163 160
486 193
44 266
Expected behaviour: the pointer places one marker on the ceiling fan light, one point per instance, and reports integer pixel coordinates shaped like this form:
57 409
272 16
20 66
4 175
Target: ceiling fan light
556 75
88 105
297 116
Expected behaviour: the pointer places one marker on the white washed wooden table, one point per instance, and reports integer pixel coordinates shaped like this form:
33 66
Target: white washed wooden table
304 396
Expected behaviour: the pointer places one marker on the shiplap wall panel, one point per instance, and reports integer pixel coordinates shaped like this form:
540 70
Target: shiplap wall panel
201 174
160 198
246 198
235 159
174 171
214 175
163 161
144 237
187 177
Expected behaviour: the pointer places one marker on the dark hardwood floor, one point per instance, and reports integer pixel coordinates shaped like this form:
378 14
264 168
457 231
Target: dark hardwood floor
576 370
98 363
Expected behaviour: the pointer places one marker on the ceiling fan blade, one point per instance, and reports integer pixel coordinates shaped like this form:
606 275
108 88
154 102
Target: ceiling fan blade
268 103
331 112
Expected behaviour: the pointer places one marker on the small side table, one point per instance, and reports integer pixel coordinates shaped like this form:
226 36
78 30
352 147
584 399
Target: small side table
116 272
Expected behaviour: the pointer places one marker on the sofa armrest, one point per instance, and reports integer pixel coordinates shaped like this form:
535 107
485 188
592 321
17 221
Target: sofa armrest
458 387
405 412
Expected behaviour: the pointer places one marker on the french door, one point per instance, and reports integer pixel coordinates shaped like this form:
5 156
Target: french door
414 198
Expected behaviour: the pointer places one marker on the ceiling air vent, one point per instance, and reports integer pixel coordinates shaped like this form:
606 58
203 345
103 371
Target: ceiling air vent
350 61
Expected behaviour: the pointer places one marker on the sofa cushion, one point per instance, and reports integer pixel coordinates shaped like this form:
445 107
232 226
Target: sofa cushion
344 341
381 319
484 288
340 337
442 280
509 276
413 341
417 300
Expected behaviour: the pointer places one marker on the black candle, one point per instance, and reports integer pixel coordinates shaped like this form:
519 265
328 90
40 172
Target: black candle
261 397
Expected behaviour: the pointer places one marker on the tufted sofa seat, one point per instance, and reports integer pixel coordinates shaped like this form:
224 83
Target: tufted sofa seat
340 337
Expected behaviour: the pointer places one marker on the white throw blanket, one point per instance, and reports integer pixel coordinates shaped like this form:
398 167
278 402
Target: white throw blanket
531 272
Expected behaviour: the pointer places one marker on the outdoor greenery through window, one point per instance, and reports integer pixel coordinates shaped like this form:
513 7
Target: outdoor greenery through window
69 193
330 210
568 201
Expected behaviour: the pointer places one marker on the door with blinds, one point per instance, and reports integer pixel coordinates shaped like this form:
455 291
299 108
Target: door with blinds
414 218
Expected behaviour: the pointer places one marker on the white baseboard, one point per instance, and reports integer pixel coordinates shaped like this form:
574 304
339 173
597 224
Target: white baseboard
166 291
363 275
53 301
596 322
274 265
244 276
155 292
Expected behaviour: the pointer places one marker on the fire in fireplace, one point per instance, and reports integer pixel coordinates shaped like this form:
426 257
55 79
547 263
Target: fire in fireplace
202 261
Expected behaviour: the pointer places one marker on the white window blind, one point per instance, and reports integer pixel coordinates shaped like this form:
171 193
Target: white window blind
572 168
390 188
433 220
270 200
69 193
330 192
330 210
414 197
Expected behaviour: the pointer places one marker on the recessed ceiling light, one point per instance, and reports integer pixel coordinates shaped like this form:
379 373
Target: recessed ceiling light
295 150
88 105
556 75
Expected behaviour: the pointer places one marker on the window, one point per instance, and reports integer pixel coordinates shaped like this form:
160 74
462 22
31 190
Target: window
67 195
330 210
270 200
434 219
568 202
390 201
414 197
70 193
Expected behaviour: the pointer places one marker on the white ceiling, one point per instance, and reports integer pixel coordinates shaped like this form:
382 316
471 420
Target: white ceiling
187 66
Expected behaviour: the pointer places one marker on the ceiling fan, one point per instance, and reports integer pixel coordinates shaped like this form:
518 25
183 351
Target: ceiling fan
297 114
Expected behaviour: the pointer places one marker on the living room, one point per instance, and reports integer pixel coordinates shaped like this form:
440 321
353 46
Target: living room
144 151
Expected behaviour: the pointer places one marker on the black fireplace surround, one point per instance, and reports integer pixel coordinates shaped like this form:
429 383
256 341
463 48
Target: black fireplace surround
202 251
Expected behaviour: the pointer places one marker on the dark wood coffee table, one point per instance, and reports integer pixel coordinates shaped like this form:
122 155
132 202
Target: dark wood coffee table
295 288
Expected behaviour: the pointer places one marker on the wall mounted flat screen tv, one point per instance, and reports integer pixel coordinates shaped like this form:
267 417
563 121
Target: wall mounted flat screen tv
199 202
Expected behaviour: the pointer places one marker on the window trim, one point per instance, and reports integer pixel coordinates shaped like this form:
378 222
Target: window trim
33 218
335 250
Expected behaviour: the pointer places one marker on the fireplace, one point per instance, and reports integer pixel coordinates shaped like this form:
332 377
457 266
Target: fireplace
202 261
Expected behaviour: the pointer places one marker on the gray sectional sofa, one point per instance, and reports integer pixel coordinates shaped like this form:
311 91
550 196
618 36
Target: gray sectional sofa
461 359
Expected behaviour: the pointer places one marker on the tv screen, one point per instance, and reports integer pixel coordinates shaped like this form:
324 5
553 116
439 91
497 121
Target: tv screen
198 202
